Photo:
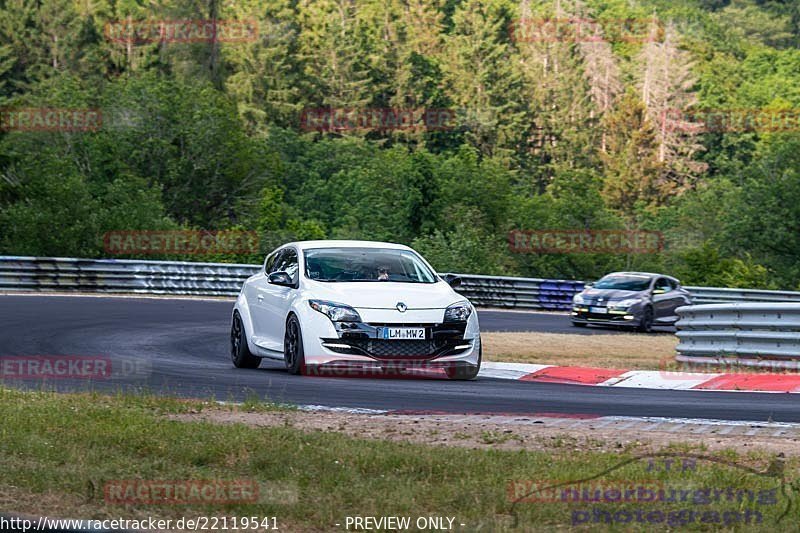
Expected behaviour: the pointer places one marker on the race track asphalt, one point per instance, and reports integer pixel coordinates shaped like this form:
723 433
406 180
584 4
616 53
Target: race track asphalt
180 347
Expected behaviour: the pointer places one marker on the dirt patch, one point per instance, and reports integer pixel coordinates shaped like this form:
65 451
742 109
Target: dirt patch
478 432
625 351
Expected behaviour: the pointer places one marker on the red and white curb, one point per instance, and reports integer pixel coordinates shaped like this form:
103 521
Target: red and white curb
643 379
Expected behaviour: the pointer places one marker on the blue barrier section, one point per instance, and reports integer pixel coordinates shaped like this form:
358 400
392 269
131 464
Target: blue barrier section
558 294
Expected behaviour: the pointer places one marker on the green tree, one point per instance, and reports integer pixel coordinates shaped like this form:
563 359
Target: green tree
630 160
484 85
336 70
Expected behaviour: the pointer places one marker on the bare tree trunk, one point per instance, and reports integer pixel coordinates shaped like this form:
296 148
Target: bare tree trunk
129 43
601 71
213 58
665 82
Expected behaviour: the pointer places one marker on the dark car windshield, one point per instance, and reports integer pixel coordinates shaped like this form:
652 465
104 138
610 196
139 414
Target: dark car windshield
366 264
624 283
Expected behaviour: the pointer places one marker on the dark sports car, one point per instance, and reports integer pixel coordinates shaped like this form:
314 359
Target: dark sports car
639 300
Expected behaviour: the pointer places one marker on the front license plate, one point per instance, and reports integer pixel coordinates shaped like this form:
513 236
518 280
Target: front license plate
598 310
402 333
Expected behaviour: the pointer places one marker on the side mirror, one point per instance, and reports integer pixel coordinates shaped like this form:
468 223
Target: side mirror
452 280
589 285
281 278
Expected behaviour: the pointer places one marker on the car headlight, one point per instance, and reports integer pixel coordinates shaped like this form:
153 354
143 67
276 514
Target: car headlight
577 299
626 303
334 311
458 312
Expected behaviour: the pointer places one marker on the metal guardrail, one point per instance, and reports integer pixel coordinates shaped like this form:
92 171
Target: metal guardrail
712 295
754 334
45 274
223 279
538 293
518 293
122 276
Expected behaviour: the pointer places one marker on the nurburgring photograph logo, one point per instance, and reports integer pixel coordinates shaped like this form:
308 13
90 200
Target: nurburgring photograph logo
677 490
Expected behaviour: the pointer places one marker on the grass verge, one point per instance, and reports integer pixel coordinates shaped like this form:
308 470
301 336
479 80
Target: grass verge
625 350
60 451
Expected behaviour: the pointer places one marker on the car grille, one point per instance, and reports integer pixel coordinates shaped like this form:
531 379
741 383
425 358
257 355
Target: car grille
442 340
395 348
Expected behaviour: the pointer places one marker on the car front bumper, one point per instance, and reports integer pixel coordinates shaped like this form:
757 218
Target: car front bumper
630 317
355 345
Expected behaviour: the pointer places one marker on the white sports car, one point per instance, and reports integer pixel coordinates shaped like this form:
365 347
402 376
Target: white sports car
354 305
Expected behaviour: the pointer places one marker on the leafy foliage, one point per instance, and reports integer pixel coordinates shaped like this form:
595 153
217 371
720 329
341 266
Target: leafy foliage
537 134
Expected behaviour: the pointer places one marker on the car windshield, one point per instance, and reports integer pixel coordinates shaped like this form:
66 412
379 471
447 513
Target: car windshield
366 264
624 283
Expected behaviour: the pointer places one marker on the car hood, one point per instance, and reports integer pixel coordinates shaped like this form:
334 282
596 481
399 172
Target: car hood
610 294
385 294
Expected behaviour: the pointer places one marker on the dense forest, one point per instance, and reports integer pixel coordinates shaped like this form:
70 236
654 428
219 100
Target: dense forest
546 129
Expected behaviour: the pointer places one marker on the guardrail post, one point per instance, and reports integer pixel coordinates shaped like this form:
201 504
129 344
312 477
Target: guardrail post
765 335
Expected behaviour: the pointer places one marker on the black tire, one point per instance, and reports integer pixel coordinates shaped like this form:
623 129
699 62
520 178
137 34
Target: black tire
646 324
240 353
580 324
465 373
293 353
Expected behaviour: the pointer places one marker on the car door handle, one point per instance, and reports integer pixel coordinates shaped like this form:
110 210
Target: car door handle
260 297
